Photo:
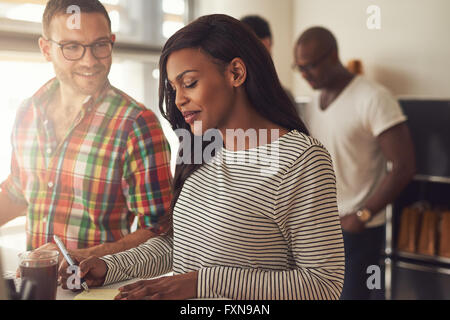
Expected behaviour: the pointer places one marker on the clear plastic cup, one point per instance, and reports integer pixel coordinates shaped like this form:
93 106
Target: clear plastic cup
41 269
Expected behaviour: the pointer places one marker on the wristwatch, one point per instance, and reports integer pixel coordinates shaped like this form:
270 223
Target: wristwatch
364 215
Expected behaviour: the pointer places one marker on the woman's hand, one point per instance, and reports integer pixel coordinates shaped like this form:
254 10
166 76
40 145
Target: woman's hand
179 287
92 269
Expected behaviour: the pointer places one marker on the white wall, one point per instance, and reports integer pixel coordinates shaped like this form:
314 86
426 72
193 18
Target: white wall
279 15
410 54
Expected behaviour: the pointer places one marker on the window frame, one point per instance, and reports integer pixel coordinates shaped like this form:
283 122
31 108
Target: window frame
23 36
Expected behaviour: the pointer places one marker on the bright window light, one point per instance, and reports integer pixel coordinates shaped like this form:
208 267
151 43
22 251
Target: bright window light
170 27
174 7
111 2
155 74
115 20
26 12
16 90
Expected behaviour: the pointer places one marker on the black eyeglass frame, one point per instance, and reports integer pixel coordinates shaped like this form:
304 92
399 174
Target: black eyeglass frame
85 46
307 68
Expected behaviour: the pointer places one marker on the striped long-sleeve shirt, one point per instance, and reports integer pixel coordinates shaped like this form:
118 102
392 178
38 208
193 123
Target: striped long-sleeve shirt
257 224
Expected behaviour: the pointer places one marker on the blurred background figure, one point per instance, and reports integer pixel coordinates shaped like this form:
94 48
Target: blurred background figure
261 28
363 127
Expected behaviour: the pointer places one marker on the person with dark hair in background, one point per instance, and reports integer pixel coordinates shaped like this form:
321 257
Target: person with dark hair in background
87 159
240 229
363 127
261 28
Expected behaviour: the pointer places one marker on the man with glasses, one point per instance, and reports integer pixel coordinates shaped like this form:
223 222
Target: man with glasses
363 128
87 159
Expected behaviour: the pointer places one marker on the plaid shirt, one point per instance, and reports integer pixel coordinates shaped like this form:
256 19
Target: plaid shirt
112 166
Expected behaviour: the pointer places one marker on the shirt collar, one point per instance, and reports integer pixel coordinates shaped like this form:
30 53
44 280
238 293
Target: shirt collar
44 95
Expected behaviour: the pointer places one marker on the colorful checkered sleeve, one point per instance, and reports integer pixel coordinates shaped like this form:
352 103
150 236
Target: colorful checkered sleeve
146 176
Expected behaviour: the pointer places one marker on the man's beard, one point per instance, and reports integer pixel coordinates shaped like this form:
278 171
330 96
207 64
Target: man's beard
84 85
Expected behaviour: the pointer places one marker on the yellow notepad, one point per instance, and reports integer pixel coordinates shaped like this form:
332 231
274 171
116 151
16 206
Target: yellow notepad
98 294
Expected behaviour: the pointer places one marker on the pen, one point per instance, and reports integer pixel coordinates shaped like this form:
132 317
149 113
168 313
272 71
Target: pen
69 260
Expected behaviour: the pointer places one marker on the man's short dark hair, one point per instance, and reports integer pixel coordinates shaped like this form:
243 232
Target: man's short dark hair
324 37
259 25
56 7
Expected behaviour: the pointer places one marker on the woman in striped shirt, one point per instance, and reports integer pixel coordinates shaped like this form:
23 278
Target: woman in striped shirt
258 219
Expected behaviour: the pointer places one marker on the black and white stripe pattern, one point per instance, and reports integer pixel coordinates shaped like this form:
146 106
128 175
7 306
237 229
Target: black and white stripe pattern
252 233
149 260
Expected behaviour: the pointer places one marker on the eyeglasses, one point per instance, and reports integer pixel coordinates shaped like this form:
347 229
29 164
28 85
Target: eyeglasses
308 67
74 51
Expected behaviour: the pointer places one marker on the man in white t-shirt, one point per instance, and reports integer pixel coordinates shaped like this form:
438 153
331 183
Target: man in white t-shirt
363 128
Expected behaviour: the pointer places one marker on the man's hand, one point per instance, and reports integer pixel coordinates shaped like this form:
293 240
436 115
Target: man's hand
50 247
352 224
92 269
179 287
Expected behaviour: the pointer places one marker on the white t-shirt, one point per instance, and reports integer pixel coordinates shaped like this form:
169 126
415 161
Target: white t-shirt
348 128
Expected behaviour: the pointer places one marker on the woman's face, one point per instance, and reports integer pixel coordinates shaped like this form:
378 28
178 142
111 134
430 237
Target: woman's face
205 95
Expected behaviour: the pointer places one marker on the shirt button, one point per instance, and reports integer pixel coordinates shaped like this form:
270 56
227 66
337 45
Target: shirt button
49 150
45 219
50 185
45 122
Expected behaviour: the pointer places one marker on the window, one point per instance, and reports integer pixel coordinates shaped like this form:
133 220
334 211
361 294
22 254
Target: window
174 12
144 22
14 91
